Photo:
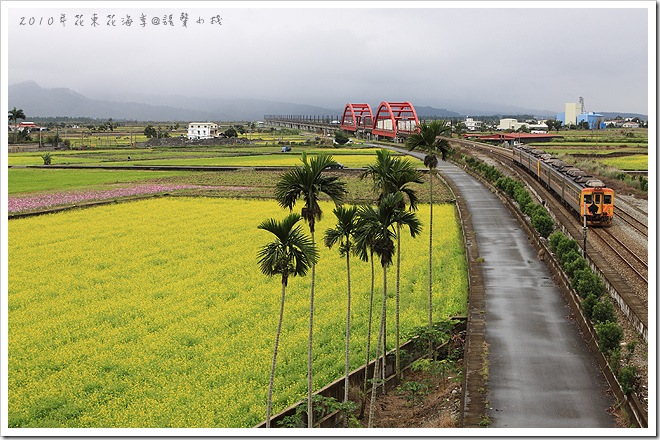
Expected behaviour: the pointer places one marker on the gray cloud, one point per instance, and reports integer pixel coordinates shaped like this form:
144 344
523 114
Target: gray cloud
430 55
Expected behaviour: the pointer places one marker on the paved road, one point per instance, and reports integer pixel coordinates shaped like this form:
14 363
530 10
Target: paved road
541 374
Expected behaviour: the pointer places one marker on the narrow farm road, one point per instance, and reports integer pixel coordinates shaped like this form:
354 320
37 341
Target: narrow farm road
541 373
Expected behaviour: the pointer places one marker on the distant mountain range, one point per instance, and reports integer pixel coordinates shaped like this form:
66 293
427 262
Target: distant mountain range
36 101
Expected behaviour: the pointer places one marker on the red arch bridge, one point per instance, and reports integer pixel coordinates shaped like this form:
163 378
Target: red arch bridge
394 120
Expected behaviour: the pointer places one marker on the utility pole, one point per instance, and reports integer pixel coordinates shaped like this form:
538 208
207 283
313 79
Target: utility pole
584 232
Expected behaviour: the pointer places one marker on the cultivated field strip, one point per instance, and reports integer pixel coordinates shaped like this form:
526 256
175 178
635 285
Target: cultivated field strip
155 314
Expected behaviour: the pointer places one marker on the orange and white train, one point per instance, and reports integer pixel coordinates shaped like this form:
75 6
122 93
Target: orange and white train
586 195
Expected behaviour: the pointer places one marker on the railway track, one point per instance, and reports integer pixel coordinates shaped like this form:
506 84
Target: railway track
633 261
623 270
626 217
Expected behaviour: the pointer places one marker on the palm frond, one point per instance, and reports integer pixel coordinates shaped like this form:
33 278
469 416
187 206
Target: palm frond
291 253
428 138
307 182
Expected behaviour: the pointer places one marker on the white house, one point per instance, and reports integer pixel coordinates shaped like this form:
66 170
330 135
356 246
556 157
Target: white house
472 125
630 124
202 130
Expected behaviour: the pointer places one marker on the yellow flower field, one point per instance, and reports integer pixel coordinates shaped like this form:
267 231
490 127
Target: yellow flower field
155 314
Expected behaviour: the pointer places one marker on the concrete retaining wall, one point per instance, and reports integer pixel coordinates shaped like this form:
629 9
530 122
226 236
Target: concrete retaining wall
356 379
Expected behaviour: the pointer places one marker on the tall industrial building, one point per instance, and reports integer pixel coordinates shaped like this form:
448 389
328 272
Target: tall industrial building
571 112
574 113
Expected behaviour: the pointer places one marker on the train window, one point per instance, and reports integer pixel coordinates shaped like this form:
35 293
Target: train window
607 199
587 198
597 198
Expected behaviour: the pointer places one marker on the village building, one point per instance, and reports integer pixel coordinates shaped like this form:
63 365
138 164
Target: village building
630 124
511 124
202 130
473 125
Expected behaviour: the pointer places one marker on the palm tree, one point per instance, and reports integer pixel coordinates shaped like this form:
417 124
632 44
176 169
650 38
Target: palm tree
430 139
290 254
307 182
379 224
392 175
14 115
365 235
343 233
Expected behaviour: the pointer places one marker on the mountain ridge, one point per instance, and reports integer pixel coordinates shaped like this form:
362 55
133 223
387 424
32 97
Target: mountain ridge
36 101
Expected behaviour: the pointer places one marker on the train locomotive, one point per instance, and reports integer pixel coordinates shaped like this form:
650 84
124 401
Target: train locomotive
587 196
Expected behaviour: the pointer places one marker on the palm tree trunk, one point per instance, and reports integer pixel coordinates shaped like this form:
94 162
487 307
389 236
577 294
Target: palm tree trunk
430 347
272 367
398 278
371 307
384 345
431 251
348 333
381 334
310 410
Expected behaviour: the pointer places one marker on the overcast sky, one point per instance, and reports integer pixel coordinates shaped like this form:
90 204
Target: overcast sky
432 54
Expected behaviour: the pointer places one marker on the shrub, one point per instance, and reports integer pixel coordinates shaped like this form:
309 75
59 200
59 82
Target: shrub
534 209
523 198
413 392
628 378
586 283
568 257
543 223
424 337
578 263
603 311
47 158
507 184
588 305
566 247
556 238
610 335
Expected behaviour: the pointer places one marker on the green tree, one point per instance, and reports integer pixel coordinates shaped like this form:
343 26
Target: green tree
343 233
290 254
431 139
308 182
111 124
553 124
14 115
231 132
379 223
391 175
150 131
341 137
460 128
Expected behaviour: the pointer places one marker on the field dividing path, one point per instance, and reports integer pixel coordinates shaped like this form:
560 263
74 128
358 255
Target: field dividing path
541 372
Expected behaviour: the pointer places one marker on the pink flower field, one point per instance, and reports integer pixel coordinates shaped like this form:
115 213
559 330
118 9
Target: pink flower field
42 201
